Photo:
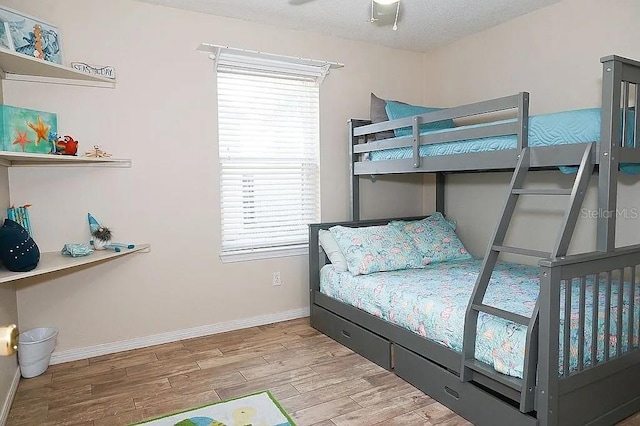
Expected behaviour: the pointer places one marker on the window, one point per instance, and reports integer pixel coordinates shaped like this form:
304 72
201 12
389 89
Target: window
268 128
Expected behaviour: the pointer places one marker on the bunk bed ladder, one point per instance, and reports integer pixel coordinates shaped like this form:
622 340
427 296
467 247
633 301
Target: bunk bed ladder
470 366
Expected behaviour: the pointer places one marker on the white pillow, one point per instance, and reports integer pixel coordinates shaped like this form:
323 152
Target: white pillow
330 247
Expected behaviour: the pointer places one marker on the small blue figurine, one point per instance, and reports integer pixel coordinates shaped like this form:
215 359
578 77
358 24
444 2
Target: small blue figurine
53 140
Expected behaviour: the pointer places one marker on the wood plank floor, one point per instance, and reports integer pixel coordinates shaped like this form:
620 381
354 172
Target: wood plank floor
318 381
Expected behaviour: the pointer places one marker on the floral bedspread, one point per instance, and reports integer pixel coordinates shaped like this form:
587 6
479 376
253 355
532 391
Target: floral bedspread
432 303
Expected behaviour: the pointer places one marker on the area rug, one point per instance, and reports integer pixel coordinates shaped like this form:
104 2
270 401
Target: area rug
259 409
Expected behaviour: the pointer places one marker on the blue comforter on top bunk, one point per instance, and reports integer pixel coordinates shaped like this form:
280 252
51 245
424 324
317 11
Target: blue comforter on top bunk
576 126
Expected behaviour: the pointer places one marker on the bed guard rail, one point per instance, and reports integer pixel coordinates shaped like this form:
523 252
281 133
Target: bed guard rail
517 126
596 296
620 105
621 86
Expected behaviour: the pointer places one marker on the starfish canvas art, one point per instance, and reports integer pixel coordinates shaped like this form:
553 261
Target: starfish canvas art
42 130
26 130
21 139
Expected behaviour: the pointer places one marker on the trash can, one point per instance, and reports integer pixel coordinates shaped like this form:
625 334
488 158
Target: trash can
34 350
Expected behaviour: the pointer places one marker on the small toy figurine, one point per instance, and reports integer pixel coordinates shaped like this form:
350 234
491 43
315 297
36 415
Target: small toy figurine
96 152
66 146
101 237
53 140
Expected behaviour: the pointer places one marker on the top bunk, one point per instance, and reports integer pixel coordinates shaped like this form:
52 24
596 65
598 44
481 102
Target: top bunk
431 142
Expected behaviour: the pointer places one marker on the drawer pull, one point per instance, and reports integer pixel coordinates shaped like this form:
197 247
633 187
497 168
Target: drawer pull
346 334
452 393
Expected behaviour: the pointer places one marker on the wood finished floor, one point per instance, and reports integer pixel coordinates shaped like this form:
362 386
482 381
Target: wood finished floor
318 381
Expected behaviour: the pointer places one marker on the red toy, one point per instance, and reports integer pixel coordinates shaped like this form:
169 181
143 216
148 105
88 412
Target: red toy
66 146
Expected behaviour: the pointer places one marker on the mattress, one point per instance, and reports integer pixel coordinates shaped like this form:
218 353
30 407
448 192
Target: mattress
567 127
432 302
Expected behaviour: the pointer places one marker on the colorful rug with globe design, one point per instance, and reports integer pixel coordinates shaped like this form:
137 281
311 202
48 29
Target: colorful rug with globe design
259 409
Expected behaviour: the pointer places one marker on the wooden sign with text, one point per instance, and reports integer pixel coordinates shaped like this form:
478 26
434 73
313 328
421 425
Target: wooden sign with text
103 71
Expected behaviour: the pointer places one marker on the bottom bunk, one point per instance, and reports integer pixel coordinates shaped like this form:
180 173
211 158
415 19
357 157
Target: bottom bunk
431 302
410 321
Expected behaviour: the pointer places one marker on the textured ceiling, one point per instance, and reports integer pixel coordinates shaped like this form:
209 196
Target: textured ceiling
423 24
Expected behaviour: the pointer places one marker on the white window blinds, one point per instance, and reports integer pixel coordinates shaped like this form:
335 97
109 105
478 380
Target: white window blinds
268 122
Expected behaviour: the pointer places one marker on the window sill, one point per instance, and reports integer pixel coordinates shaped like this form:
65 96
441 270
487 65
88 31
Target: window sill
266 253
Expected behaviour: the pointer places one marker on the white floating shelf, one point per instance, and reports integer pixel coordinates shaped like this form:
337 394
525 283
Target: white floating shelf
16 66
55 261
26 159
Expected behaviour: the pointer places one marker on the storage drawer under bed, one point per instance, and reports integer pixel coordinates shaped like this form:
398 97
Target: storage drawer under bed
356 338
466 399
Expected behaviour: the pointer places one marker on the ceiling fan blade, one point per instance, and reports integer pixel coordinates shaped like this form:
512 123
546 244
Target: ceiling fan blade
299 2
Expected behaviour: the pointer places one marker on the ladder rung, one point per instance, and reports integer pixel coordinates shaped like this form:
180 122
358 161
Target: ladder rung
501 313
522 251
487 370
521 191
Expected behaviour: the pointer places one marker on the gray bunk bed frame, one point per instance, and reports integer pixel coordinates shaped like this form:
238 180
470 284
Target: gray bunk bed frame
596 393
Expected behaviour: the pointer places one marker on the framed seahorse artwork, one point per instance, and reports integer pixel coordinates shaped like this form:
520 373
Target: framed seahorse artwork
31 36
6 41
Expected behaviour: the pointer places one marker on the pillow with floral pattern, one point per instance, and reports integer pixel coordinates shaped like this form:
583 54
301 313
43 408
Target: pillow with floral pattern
435 238
376 249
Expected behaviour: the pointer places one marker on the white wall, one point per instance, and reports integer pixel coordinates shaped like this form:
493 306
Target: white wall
163 115
553 53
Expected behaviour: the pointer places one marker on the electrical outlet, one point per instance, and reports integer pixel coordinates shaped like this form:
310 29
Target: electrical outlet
276 278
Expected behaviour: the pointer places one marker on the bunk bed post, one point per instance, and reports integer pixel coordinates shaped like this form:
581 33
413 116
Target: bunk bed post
416 141
523 120
548 346
314 267
609 146
354 189
440 181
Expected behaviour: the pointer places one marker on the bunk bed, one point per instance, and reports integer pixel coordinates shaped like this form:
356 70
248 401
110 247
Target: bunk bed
560 383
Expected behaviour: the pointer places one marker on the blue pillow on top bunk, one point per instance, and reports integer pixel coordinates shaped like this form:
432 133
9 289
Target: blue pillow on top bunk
435 238
376 249
397 110
378 114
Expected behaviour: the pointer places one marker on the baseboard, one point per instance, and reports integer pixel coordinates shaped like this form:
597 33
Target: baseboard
173 336
4 410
